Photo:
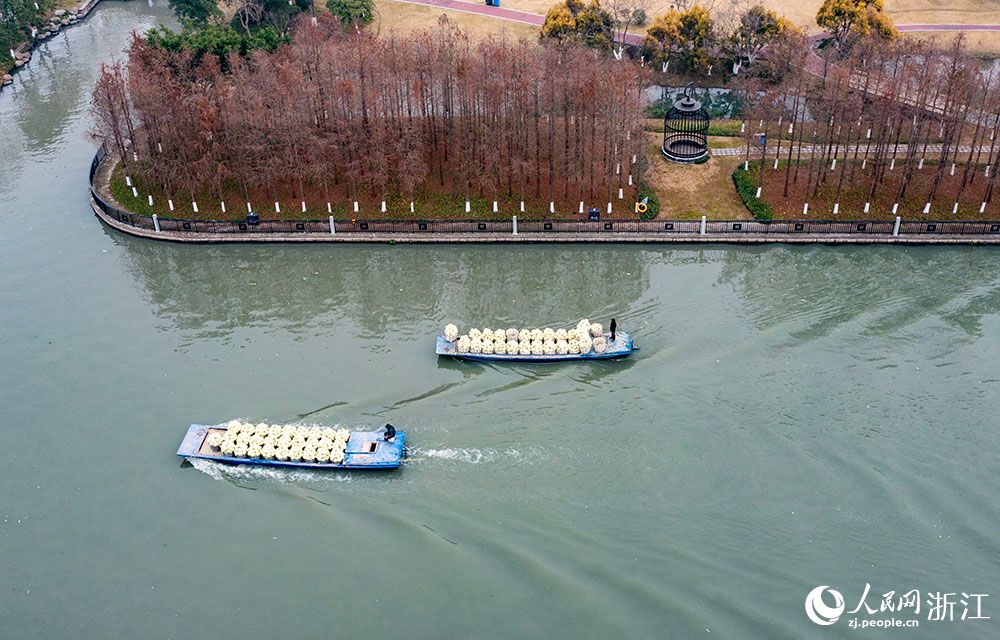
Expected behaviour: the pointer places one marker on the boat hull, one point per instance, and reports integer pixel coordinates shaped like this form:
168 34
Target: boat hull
621 347
387 455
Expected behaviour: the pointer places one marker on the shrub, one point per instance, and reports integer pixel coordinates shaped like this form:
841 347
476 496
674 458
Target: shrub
747 188
728 128
652 205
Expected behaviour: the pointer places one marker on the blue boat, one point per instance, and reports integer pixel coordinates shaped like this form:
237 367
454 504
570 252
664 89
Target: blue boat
365 450
620 347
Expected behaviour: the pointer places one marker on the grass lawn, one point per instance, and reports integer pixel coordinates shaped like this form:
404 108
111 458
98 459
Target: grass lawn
985 44
693 190
401 17
724 142
429 203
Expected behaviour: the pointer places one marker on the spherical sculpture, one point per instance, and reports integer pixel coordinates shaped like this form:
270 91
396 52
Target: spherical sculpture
684 129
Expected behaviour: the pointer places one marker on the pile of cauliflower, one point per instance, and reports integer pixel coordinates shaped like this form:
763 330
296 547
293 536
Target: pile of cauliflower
586 337
280 442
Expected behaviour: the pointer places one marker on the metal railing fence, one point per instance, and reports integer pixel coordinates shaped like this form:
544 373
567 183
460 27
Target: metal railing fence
543 226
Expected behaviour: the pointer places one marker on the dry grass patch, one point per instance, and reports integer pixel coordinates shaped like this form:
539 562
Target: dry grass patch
401 17
943 11
984 44
803 13
693 190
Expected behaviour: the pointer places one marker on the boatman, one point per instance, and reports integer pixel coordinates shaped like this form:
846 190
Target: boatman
614 325
390 432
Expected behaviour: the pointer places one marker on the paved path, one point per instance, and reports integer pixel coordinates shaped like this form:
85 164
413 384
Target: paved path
552 238
948 27
816 64
820 149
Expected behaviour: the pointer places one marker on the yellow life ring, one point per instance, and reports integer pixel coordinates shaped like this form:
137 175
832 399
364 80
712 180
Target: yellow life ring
641 207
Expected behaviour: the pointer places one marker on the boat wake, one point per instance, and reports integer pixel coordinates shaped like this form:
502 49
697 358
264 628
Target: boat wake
239 474
478 456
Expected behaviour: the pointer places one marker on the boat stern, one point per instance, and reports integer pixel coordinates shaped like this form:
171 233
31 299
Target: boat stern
370 450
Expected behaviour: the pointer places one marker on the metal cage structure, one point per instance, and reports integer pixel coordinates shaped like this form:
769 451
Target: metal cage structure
684 131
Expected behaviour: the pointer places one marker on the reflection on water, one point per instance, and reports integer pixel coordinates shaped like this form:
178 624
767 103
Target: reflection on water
211 290
796 416
889 290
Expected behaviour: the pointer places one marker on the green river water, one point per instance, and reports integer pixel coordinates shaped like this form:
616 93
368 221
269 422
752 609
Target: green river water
796 417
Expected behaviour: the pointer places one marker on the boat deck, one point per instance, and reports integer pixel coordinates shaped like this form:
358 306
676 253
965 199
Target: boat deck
365 450
621 347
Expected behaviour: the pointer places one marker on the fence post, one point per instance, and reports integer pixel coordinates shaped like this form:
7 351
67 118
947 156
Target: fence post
333 229
156 223
895 227
703 219
515 226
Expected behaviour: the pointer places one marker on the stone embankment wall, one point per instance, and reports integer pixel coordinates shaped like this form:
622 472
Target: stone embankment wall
59 20
895 231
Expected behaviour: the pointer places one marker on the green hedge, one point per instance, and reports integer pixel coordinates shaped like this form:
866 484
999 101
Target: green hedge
653 205
728 128
746 186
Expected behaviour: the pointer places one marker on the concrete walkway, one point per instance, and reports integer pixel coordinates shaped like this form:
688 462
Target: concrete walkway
548 238
820 149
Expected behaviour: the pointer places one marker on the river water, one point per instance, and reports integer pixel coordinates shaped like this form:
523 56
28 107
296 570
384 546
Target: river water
796 417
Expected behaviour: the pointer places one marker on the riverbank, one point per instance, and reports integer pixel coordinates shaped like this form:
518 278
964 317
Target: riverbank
680 231
499 229
60 19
